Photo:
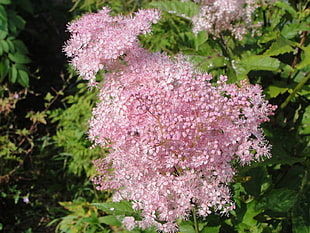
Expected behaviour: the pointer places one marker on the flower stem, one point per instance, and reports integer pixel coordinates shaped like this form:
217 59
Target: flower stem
195 221
297 88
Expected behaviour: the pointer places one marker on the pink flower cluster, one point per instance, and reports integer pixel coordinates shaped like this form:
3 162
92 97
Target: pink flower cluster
98 40
173 131
217 16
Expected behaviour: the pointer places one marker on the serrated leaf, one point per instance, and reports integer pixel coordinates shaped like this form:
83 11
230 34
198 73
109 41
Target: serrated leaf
48 97
289 31
288 8
260 62
116 208
19 58
278 87
280 46
305 123
186 9
110 220
268 37
305 58
37 117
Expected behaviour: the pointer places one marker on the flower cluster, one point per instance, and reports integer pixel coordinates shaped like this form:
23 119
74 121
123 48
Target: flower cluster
217 16
173 131
98 39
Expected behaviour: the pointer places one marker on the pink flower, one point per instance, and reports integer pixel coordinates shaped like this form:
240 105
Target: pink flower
98 39
234 16
173 131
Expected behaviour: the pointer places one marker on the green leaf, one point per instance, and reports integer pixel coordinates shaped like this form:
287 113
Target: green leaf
305 58
22 67
200 39
4 45
23 78
185 9
3 29
4 68
186 227
305 123
279 200
20 46
11 45
257 180
280 46
19 58
268 37
3 14
260 62
289 31
207 229
16 21
301 212
116 208
110 220
5 2
13 74
288 8
278 87
247 219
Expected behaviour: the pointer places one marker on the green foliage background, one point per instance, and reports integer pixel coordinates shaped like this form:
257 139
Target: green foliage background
45 160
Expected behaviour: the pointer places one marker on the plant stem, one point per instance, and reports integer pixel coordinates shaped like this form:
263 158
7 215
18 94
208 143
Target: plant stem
195 221
297 88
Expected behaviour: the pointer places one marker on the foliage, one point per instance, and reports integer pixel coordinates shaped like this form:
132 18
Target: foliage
83 217
14 53
72 123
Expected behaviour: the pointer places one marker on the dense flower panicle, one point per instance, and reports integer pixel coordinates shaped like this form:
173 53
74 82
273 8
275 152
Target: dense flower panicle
174 135
173 131
217 16
98 39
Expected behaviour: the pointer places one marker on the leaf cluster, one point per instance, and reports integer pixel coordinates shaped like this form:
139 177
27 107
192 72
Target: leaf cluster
14 54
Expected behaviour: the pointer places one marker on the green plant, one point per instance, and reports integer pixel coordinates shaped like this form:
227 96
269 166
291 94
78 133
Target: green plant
14 53
271 196
72 125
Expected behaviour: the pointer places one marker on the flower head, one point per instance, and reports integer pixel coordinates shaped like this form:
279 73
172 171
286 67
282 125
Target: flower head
173 131
98 39
234 16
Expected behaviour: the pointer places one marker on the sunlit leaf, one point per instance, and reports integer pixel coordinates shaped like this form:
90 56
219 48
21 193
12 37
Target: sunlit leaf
185 9
280 46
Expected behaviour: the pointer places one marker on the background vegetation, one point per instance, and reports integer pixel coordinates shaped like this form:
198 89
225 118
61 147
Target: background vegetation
45 160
